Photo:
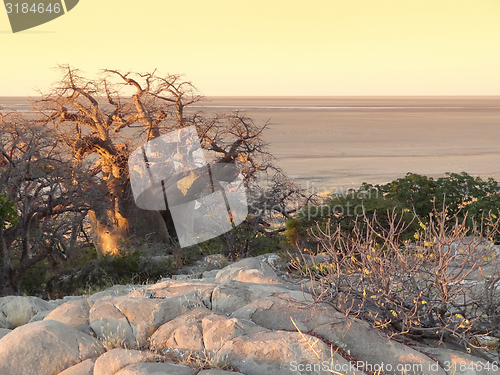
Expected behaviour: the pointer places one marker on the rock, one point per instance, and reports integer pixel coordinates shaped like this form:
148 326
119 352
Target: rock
84 368
115 360
17 311
174 288
114 291
4 331
73 313
58 302
230 296
258 327
4 323
459 363
156 369
326 322
278 353
45 348
217 330
131 321
250 270
210 274
191 276
183 332
372 346
40 316
200 330
278 312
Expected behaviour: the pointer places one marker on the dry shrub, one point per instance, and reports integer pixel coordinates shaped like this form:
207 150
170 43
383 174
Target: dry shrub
442 285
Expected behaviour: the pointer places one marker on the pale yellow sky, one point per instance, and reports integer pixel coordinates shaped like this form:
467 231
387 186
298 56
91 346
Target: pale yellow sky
269 47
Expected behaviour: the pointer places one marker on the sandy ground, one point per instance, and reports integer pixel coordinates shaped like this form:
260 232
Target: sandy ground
337 143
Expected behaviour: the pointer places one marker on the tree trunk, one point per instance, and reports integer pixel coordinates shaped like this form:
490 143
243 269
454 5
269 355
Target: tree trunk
6 287
124 223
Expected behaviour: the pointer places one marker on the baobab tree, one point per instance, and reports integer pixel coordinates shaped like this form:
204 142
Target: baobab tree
103 120
46 195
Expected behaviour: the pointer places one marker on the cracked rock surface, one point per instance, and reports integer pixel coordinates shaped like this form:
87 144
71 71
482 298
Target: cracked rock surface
242 319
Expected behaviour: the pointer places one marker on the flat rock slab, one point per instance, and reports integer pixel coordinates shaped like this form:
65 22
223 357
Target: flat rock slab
232 295
175 288
131 321
45 348
201 330
114 291
156 369
280 353
459 363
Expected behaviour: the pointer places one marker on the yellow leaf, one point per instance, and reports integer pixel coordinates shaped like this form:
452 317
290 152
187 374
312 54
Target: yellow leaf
415 236
422 225
423 302
485 258
373 297
493 216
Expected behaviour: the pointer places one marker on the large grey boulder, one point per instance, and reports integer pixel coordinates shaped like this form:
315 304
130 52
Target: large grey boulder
200 330
281 353
372 346
113 361
277 313
363 342
4 331
249 270
156 369
460 363
45 348
83 368
114 291
175 288
73 313
230 296
131 321
17 311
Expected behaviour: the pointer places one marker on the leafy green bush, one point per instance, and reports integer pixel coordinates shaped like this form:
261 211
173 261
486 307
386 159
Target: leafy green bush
8 214
466 198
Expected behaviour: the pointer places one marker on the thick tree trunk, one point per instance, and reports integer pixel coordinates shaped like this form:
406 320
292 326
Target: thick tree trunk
6 286
124 224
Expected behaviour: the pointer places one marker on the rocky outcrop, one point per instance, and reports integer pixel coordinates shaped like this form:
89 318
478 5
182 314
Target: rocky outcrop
243 319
